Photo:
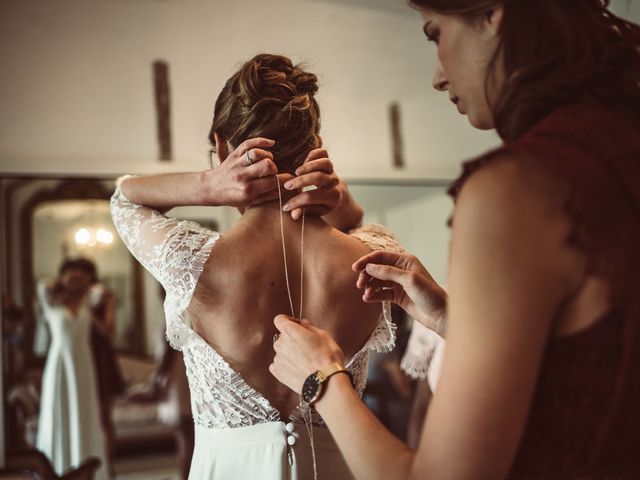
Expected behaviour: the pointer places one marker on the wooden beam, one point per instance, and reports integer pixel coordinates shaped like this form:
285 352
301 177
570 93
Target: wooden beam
396 136
163 110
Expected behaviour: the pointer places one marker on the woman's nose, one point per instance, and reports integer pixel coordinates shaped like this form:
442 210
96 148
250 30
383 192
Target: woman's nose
440 81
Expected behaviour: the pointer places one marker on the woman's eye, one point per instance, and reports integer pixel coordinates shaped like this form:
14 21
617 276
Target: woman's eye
433 36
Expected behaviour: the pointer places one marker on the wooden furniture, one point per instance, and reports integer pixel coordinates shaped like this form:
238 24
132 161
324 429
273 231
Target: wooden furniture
32 464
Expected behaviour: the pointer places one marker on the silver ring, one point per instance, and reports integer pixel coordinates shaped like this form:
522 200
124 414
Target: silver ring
275 337
249 161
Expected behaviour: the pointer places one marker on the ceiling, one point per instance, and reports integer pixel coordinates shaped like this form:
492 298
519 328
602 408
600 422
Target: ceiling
399 7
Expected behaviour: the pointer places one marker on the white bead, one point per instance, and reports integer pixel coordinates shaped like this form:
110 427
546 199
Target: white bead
290 427
291 440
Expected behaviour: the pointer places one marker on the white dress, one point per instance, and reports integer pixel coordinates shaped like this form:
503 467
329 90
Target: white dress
238 433
69 426
422 359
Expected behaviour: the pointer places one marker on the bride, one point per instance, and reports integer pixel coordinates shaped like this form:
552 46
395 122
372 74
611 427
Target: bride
69 426
224 290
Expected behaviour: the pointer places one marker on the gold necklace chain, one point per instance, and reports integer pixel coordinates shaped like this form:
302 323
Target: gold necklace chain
284 254
308 425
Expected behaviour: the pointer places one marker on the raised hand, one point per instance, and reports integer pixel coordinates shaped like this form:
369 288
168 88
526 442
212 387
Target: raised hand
401 278
330 198
244 177
317 171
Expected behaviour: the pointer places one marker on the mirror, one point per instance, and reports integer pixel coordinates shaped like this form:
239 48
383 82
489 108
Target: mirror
46 221
64 229
58 355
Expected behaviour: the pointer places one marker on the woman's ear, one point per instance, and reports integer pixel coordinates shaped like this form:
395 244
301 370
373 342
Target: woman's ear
222 147
494 18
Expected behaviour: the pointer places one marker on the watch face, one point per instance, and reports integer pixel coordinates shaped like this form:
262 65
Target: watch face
311 388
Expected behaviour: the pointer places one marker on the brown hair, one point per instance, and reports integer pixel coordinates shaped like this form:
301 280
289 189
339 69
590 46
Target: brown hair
270 97
83 264
555 52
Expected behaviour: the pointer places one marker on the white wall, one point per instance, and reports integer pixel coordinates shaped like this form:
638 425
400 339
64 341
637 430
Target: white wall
77 97
417 215
76 89
629 9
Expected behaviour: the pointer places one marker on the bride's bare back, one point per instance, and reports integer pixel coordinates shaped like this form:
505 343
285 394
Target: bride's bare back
243 287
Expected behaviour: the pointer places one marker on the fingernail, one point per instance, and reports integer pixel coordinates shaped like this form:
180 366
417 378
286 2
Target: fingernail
371 268
299 171
288 185
286 208
295 215
272 141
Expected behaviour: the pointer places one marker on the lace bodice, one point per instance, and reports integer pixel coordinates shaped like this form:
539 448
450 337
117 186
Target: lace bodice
175 252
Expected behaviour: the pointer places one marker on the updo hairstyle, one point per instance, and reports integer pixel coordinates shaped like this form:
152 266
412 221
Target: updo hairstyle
270 97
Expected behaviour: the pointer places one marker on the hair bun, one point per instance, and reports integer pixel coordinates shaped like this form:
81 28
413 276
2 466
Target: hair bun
306 83
270 97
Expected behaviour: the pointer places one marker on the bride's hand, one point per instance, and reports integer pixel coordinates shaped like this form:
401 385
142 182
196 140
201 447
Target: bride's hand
235 182
401 278
245 176
301 349
317 170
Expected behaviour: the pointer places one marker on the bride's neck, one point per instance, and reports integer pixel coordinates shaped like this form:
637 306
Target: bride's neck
269 209
267 215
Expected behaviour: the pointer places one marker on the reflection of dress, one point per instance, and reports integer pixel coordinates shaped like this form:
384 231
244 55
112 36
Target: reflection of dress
69 428
238 433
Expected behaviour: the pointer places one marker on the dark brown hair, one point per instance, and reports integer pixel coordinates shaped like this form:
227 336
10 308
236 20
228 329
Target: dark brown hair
83 264
270 97
555 52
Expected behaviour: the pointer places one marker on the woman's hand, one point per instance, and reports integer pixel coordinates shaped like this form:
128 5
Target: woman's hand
301 349
317 170
401 278
236 182
243 178
330 198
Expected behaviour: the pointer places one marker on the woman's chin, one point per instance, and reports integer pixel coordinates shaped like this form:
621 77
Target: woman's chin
481 122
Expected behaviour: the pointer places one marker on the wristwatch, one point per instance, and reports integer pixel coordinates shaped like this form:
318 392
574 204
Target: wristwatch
313 386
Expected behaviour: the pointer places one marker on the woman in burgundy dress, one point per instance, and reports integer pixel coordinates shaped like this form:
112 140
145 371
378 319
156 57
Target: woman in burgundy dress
541 374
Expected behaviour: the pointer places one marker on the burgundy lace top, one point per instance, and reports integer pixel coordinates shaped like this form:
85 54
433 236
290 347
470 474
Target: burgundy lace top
585 418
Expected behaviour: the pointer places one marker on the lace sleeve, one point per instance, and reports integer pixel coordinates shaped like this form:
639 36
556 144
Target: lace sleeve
377 237
421 347
173 251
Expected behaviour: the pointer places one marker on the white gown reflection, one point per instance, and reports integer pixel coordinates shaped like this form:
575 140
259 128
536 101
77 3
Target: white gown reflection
69 428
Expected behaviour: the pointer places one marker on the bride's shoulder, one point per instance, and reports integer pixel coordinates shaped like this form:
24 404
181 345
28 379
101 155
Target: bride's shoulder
377 237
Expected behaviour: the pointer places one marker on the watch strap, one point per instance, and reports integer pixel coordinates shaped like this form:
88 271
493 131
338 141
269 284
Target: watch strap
332 369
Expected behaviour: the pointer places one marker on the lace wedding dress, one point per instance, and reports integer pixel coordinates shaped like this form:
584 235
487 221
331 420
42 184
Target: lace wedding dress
239 434
69 426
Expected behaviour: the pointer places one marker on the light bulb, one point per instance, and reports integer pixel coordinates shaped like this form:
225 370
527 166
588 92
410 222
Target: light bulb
82 236
104 236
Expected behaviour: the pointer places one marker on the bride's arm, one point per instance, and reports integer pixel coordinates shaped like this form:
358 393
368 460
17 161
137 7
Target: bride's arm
233 183
348 214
